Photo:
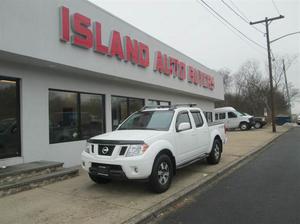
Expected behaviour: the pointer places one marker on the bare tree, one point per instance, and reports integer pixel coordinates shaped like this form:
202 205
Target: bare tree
227 79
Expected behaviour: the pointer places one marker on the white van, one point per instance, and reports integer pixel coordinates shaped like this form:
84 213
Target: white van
233 119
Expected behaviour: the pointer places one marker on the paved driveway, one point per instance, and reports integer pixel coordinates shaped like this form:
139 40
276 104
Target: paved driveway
79 200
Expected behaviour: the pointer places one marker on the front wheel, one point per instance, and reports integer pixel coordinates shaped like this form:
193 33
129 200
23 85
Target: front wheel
215 153
162 173
244 126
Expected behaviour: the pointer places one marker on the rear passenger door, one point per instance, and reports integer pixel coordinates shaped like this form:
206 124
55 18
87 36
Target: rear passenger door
202 134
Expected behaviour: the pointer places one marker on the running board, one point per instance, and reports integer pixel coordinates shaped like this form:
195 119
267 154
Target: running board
192 161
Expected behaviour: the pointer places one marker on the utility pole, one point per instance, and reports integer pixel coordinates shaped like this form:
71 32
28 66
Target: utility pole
287 89
266 21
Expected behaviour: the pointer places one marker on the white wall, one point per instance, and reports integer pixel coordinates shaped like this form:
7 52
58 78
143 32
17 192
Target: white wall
35 82
31 28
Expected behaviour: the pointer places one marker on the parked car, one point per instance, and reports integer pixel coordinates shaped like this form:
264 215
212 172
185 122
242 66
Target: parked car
233 119
298 119
151 144
259 122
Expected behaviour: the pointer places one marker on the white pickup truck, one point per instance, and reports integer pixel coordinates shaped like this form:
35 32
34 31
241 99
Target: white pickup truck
152 143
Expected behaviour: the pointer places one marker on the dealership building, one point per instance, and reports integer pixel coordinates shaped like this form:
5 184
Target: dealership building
70 70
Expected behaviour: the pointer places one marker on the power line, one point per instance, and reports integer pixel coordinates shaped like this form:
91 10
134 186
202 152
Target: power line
237 8
275 6
240 16
240 11
224 24
225 20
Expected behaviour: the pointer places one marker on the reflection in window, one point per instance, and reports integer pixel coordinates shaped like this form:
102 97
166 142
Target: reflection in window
91 115
197 118
158 102
74 116
182 118
122 107
9 118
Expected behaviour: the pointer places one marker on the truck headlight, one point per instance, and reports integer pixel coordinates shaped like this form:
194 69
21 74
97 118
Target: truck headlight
136 150
87 147
263 119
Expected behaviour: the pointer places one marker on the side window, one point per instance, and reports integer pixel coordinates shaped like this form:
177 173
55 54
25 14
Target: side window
208 116
216 117
182 117
231 115
197 118
222 116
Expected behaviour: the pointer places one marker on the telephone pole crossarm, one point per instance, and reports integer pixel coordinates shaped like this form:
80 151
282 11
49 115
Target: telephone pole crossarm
268 19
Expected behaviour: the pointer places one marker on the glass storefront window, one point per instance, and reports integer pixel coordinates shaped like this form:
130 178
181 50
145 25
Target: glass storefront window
91 115
122 107
74 116
10 144
158 102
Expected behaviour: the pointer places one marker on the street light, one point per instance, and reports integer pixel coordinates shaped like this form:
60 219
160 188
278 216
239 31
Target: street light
284 71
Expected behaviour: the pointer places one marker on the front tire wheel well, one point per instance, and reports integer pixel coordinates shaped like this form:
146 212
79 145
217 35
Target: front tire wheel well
170 154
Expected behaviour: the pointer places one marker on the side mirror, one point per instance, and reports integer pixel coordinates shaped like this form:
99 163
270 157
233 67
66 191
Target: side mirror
184 126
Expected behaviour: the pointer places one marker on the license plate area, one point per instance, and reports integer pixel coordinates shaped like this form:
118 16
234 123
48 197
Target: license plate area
100 170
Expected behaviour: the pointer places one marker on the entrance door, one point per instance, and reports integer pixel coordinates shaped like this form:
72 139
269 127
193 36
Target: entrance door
10 144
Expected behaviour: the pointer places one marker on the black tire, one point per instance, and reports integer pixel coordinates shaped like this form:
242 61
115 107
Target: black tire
257 125
162 174
215 153
98 179
244 126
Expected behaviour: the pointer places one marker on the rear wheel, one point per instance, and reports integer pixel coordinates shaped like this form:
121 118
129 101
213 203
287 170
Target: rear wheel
162 173
98 179
215 153
244 126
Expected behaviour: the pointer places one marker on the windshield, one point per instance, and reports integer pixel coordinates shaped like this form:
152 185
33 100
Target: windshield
239 113
148 120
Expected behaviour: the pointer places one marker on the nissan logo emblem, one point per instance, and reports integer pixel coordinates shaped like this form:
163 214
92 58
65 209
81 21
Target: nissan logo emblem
105 150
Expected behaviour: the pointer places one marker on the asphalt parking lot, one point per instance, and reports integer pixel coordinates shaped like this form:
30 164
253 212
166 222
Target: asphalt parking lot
79 200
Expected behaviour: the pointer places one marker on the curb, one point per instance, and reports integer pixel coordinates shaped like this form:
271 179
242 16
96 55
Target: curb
154 211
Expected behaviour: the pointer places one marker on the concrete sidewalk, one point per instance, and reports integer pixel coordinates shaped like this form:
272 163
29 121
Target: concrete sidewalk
79 200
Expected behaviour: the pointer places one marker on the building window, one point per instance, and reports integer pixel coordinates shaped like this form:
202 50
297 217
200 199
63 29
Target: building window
122 107
10 137
208 116
75 116
158 102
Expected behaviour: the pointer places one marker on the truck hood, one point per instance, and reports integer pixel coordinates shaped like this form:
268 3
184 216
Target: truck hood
128 135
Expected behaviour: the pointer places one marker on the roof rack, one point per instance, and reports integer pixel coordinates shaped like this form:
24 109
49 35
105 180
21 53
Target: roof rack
171 107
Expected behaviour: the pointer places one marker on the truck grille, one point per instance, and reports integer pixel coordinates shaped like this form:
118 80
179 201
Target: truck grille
105 150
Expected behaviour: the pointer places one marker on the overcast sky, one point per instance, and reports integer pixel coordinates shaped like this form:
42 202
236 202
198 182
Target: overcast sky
188 27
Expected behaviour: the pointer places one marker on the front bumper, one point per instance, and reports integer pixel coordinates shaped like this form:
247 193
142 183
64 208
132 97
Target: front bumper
138 167
107 171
